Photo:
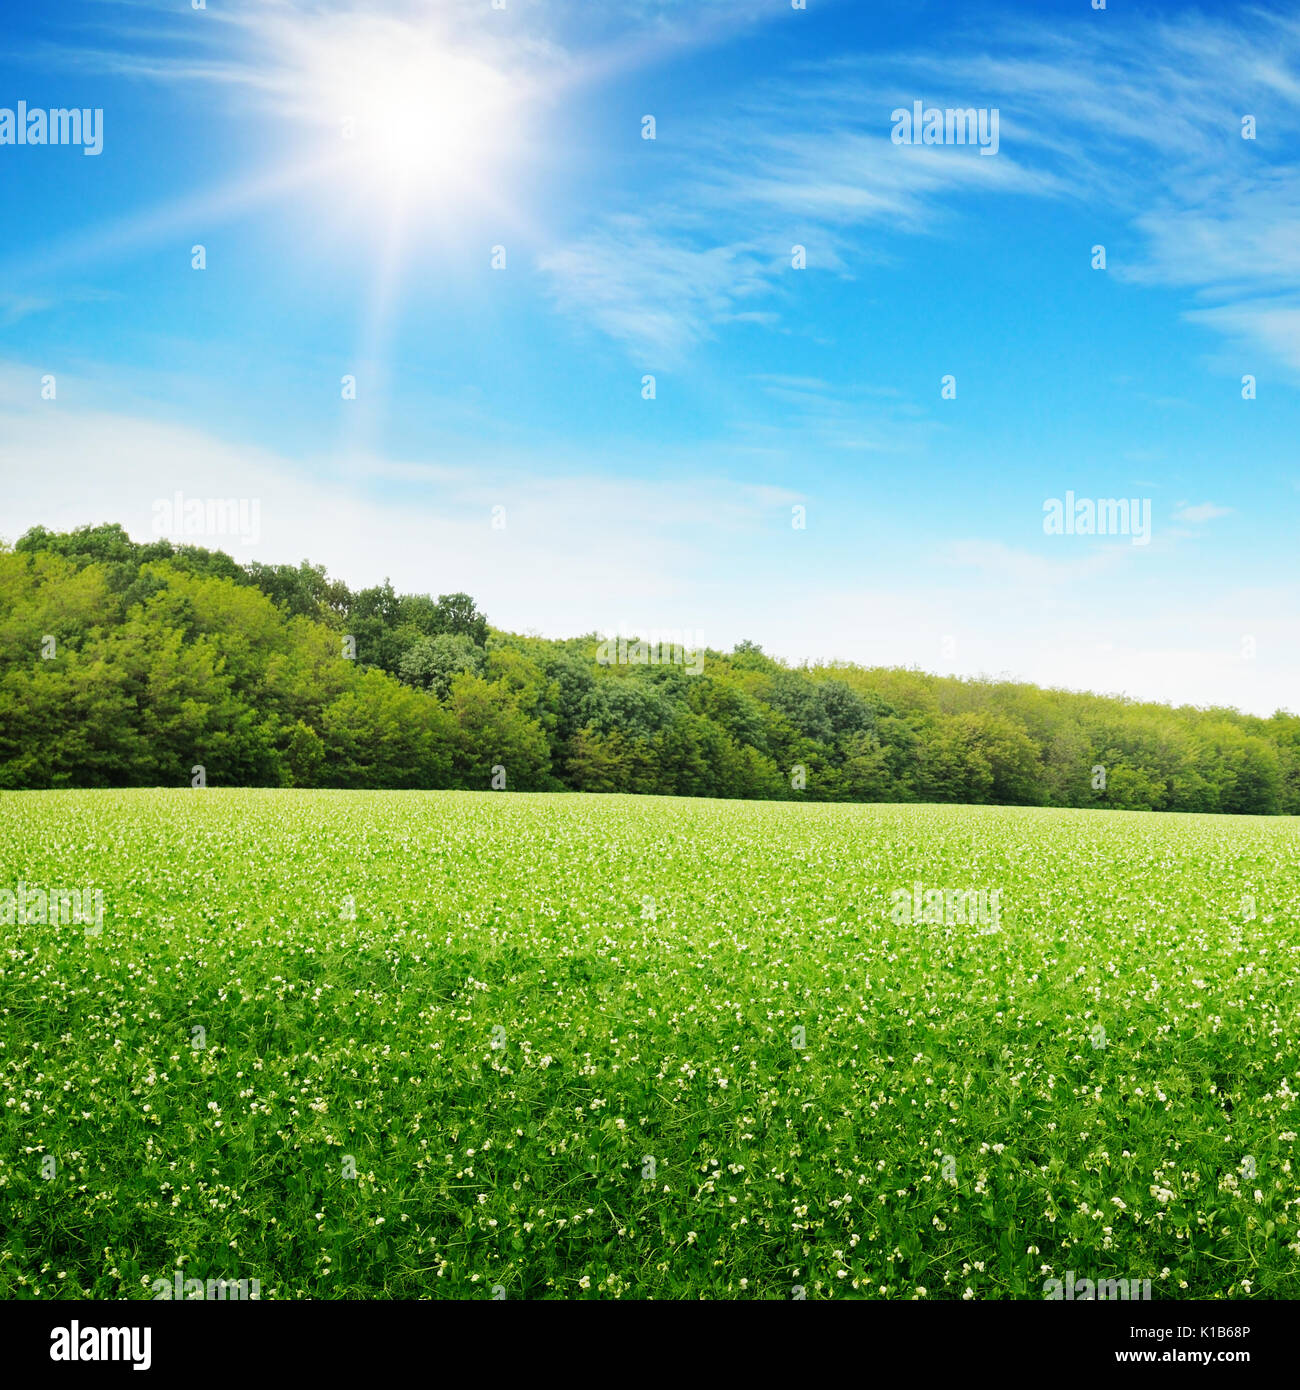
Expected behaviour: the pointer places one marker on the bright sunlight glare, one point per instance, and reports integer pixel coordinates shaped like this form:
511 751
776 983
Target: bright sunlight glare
416 117
439 117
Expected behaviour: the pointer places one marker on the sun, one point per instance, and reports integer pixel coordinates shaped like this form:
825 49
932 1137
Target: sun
415 134
415 115
436 122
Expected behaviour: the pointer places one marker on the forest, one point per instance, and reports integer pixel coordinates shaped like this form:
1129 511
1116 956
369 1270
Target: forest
127 663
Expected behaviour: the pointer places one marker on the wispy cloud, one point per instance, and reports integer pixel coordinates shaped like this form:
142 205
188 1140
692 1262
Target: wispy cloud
1142 122
1200 513
1266 324
657 296
1026 568
581 547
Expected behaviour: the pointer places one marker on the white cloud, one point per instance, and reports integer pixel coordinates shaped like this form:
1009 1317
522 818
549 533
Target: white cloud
1141 120
657 296
582 552
577 549
1201 512
1275 327
1034 571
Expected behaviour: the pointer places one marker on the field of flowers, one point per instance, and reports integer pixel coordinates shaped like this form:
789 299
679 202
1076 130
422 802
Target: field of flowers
452 1044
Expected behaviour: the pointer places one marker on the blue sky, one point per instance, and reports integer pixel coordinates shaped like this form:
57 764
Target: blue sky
350 167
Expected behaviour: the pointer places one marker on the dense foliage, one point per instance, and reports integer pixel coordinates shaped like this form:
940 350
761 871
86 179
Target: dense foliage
125 664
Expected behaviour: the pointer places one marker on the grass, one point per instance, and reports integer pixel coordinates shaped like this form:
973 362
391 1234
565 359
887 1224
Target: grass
498 1008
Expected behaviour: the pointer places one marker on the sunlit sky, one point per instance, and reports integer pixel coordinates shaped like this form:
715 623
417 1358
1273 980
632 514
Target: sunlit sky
353 170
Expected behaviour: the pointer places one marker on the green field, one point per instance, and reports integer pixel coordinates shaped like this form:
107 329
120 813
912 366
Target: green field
499 1007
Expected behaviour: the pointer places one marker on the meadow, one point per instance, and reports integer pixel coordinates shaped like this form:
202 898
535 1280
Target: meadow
454 1044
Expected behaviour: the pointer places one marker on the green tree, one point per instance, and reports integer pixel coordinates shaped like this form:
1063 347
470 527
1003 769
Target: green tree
383 734
490 731
431 663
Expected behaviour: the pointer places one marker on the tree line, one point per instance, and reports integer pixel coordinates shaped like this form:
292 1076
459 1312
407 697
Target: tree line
128 664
